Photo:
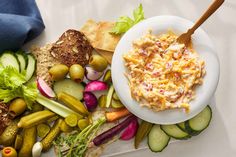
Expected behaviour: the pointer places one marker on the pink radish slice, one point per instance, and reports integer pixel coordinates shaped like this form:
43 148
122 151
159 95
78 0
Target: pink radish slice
130 131
96 86
45 89
91 74
90 100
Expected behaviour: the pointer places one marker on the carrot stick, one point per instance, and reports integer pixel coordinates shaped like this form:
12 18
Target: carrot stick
115 115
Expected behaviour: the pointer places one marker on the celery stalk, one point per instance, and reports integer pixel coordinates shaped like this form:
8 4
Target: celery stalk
56 107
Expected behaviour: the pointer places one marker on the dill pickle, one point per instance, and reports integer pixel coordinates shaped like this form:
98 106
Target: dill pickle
115 96
65 127
71 120
29 138
35 118
116 104
8 136
83 123
18 142
42 130
142 132
72 103
102 101
107 76
55 131
50 120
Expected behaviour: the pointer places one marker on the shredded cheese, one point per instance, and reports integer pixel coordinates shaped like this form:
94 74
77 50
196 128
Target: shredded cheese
163 74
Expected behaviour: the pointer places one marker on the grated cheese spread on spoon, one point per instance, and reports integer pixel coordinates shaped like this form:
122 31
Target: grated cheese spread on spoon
162 73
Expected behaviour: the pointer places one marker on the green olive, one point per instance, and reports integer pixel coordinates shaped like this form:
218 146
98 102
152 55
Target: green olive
58 72
76 73
98 63
18 106
9 152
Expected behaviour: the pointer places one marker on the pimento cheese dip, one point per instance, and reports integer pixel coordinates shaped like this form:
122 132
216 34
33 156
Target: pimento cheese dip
162 73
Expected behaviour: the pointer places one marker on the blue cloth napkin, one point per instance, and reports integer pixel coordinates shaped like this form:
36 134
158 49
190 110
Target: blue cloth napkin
20 21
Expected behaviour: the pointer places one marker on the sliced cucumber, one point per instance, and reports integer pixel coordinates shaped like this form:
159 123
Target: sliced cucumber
8 59
182 126
200 122
175 132
70 87
116 104
22 60
157 139
31 66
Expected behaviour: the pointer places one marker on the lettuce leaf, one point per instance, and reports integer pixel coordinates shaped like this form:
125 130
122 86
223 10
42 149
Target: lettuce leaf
12 86
124 23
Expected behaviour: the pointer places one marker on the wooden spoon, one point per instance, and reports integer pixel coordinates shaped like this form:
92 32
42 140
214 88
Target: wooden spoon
185 38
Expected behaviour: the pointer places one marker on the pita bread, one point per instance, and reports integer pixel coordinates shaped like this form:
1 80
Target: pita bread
100 36
106 54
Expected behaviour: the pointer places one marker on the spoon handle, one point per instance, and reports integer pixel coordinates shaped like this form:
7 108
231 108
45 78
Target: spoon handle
212 8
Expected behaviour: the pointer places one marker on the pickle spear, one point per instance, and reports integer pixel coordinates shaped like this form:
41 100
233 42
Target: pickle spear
72 103
29 138
142 132
35 118
8 136
55 131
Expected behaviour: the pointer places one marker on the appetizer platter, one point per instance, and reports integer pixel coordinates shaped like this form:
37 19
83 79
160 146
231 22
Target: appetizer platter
60 98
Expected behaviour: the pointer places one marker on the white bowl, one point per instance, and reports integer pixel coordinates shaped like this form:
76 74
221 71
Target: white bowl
201 43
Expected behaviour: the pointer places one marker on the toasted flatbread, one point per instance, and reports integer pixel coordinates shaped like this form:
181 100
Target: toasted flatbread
99 35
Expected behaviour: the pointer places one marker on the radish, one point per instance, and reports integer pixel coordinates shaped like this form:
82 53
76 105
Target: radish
105 136
90 100
91 74
96 86
130 131
45 89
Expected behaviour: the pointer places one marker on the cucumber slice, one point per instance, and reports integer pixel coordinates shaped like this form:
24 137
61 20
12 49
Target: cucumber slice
157 139
200 122
116 104
182 126
70 87
22 61
175 132
8 59
31 66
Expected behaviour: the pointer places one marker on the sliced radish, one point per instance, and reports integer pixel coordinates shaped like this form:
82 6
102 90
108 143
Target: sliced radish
91 74
45 89
130 131
96 86
90 100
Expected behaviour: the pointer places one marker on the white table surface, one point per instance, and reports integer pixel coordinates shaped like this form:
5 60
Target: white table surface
220 138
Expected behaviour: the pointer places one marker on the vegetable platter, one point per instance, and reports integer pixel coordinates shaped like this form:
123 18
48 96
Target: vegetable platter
59 99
